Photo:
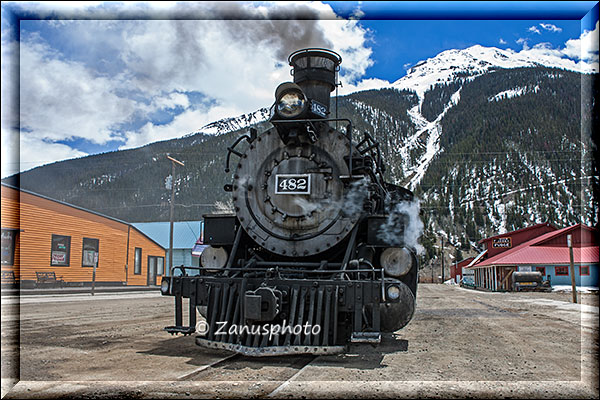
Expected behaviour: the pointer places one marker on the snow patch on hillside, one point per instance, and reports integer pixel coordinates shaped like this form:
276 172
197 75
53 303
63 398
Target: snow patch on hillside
507 94
433 132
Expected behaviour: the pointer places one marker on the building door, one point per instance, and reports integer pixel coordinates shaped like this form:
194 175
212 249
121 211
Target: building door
151 270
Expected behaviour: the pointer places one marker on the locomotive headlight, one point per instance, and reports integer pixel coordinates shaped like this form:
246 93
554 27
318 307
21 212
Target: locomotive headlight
393 292
396 261
164 285
291 105
290 101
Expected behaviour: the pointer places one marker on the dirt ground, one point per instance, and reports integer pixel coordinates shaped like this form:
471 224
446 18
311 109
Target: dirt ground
460 344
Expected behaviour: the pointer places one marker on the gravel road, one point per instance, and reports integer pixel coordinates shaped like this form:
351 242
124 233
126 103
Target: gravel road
461 343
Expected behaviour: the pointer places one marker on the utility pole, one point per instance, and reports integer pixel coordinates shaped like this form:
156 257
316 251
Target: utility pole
573 286
94 272
432 265
173 161
442 259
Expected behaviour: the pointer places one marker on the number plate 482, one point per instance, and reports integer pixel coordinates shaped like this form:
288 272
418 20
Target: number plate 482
292 184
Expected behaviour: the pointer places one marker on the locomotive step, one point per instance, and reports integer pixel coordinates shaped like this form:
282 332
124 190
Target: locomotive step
186 330
365 337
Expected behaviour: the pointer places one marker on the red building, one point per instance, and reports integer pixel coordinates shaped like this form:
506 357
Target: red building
547 251
456 270
497 244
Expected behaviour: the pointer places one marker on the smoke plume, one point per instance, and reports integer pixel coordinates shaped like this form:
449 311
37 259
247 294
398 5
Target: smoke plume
403 226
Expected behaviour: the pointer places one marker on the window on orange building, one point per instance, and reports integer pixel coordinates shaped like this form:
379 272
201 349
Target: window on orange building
584 270
160 266
137 261
564 271
61 251
89 254
8 246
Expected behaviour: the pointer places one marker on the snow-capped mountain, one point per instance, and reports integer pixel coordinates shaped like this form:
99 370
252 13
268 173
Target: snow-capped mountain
490 140
476 60
235 123
453 66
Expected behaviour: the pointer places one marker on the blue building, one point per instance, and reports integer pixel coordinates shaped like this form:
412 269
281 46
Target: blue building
185 236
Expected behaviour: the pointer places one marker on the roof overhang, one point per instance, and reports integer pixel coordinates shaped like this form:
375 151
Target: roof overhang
476 259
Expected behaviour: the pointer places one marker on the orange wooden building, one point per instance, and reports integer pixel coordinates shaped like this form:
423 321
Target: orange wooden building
40 234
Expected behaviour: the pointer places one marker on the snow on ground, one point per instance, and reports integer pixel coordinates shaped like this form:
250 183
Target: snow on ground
567 288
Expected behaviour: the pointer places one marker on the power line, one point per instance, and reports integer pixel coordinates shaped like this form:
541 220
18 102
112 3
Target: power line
224 151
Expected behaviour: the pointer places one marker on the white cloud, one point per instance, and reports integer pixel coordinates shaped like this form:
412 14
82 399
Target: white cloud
364 84
585 47
578 54
551 27
522 41
123 70
61 99
35 152
170 101
10 151
502 41
184 123
534 29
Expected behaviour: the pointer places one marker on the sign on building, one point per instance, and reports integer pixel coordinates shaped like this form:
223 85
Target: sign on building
504 242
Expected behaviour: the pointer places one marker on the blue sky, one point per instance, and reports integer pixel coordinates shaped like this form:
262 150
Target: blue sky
96 77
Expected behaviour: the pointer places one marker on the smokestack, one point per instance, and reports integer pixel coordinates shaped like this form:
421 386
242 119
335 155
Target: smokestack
315 72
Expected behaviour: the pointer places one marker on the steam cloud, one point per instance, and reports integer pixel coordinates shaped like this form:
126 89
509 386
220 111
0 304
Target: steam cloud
351 204
403 226
223 207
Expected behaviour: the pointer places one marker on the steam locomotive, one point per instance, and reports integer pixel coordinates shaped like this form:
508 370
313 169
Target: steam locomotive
315 255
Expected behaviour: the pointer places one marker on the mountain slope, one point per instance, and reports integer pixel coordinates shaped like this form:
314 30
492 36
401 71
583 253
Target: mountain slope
489 140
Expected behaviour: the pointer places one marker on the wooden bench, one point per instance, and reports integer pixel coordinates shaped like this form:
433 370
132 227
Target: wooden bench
48 279
8 277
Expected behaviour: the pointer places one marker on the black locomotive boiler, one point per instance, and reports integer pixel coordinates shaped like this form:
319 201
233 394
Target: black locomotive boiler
315 254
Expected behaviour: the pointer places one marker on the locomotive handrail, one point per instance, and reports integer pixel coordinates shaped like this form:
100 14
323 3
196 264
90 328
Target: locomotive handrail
236 243
316 271
287 121
351 243
231 149
280 264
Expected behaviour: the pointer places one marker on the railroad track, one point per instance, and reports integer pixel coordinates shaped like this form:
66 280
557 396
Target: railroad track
276 372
